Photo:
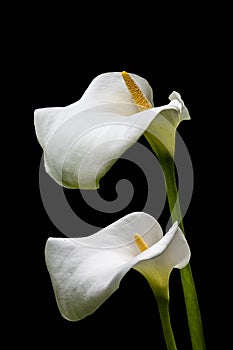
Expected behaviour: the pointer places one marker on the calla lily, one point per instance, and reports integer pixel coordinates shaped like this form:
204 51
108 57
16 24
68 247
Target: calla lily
86 271
83 140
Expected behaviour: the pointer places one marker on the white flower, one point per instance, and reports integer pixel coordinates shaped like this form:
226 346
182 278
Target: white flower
83 140
86 271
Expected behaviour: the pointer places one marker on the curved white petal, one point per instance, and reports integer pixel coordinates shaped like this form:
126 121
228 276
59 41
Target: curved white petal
106 89
183 113
161 133
120 234
82 141
172 251
110 88
84 148
156 263
86 271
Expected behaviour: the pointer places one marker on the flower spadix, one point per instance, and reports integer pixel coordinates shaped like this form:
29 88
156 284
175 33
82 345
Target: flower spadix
83 140
86 271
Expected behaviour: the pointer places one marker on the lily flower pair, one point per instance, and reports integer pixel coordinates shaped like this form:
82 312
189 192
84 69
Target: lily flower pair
81 142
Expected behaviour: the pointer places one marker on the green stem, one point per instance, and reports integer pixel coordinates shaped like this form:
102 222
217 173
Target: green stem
160 290
190 296
163 305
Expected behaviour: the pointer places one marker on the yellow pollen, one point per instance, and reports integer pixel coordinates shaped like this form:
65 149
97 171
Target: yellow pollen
140 242
137 95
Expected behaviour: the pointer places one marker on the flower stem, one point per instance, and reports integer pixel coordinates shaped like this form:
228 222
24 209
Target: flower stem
190 296
161 294
163 305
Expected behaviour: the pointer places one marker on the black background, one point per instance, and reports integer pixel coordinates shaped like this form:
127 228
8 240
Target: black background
172 52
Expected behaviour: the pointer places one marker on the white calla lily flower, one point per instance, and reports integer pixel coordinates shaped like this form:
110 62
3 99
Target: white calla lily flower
86 271
83 140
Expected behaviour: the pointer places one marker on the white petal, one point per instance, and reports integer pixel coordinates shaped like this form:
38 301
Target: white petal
86 271
120 234
172 251
84 148
157 262
45 121
163 127
183 112
107 88
82 141
111 88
